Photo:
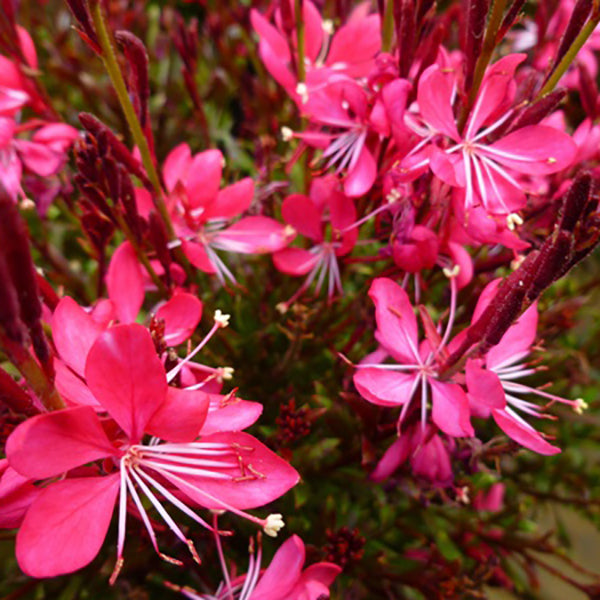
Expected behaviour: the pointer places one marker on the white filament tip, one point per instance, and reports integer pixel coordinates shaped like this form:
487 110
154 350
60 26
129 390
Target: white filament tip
227 373
513 221
221 318
580 406
327 26
273 524
302 91
286 134
450 273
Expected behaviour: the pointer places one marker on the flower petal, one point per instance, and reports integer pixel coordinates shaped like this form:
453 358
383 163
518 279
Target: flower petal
181 315
434 97
125 283
383 387
253 235
484 386
303 215
66 526
450 409
523 434
52 443
127 377
180 417
295 261
230 414
231 200
74 332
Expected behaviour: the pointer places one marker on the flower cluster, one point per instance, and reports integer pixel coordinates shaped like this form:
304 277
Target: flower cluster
429 158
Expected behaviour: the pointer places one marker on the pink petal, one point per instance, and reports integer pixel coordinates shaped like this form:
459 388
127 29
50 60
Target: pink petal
144 203
302 214
16 496
484 386
57 136
295 261
231 200
539 150
313 30
361 176
39 158
254 235
279 477
66 526
396 321
283 572
270 35
450 409
230 414
493 92
523 434
127 377
393 457
52 443
71 386
125 283
180 417
74 332
176 166
384 387
355 45
197 256
516 342
204 178
323 573
434 97
181 315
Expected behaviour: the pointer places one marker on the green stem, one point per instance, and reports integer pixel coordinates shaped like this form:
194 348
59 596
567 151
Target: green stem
301 67
570 55
109 59
489 43
114 71
32 372
387 26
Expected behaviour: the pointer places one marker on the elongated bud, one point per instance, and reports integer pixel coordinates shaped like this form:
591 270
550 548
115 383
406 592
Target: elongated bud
137 72
475 28
579 16
535 112
588 91
9 306
13 396
509 19
80 11
404 19
575 201
159 240
118 148
15 249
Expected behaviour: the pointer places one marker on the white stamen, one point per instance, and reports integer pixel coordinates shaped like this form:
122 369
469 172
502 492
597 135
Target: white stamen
273 524
286 134
221 318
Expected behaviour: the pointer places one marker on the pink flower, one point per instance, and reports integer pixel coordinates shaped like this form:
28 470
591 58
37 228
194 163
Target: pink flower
201 212
396 384
327 208
44 154
66 524
283 579
487 171
491 381
350 51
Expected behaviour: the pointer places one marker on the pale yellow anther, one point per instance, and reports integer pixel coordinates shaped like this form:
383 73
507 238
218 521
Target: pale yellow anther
516 262
286 134
27 204
345 104
552 160
462 495
221 319
513 220
393 196
289 231
273 524
227 373
328 26
450 273
580 406
302 91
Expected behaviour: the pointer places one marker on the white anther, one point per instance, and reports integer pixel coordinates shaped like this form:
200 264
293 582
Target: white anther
450 273
227 373
302 91
286 134
27 204
289 231
274 523
513 220
580 406
462 495
345 104
328 26
393 196
221 318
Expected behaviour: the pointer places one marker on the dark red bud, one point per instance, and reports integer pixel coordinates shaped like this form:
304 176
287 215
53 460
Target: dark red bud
588 91
534 113
510 17
475 28
79 8
575 201
159 239
579 16
13 396
405 21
